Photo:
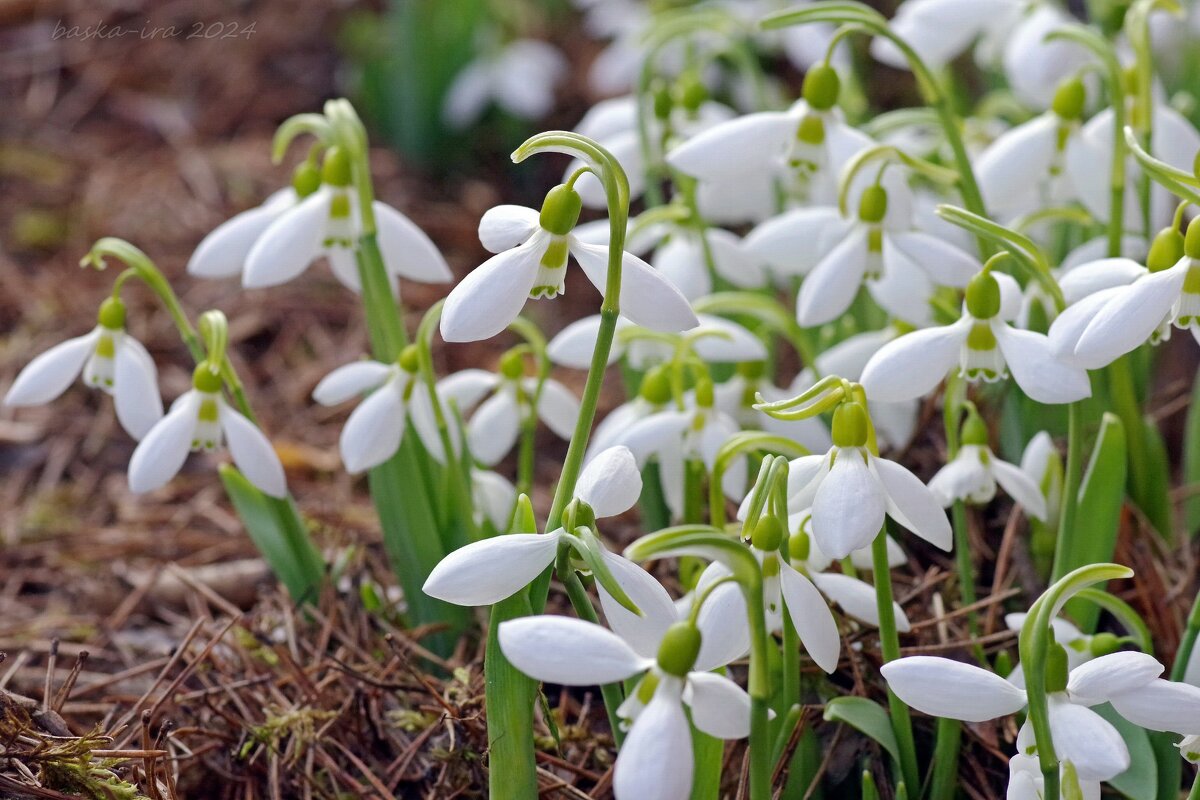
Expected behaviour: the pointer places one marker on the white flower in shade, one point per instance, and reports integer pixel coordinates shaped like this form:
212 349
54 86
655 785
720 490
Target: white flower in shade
375 428
673 437
519 77
971 476
1026 782
328 223
222 253
1043 464
108 359
201 419
850 491
484 573
493 496
982 345
738 395
531 262
495 425
714 339
1129 681
656 759
895 422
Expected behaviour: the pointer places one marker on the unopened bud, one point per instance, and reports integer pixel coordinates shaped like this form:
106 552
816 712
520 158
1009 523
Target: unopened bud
678 650
983 296
872 206
560 210
821 87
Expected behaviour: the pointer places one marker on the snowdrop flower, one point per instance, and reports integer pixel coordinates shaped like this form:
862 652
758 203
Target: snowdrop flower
850 490
971 476
109 359
1078 646
653 395
495 425
493 497
982 345
1112 322
519 77
675 436
375 428
1189 748
715 340
530 262
1042 463
484 573
656 759
684 257
1026 782
222 253
201 419
895 423
325 223
738 396
1129 681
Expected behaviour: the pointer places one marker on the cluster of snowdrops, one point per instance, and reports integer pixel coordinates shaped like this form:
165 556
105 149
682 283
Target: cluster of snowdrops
1034 250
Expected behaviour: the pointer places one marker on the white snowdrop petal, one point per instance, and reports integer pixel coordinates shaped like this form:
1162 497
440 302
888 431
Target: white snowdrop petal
351 380
568 651
468 95
830 289
849 357
374 429
719 706
943 262
733 261
485 572
724 636
466 387
910 503
1020 487
1126 321
647 298
1069 326
290 243
494 496
252 452
733 147
794 242
650 434
811 617
914 364
656 759
160 455
138 404
1162 706
643 633
407 250
611 482
573 345
680 260
1097 680
1096 276
1040 375
49 375
485 302
1087 740
857 598
222 253
733 344
848 510
505 227
1013 166
558 408
944 688
494 427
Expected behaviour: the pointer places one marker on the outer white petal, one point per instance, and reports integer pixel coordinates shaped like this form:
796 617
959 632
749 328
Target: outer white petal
643 633
1133 247
424 422
913 364
222 253
1020 487
407 250
849 506
857 598
811 617
573 345
1162 706
1069 326
49 375
910 503
734 344
494 427
961 478
488 571
558 408
505 227
731 148
795 241
289 244
724 636
252 452
1131 316
943 262
938 30
680 260
1087 740
466 387
830 288
568 651
468 94
1099 679
612 428
351 380
1035 369
719 706
850 356
160 455
733 261
656 759
373 431
647 298
611 482
492 296
138 404
804 477
494 496
944 688
1096 276
650 434
1012 168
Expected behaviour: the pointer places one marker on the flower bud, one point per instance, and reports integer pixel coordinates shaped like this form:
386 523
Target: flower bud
560 210
1069 99
768 534
410 359
983 296
678 650
306 179
336 169
872 206
656 386
974 429
1165 250
799 546
1056 668
205 380
112 314
821 87
1103 644
850 425
1191 242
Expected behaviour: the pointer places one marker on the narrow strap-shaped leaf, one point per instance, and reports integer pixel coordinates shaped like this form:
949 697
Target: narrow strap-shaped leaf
867 717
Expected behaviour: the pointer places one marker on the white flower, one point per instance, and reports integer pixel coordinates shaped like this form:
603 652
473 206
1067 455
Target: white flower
495 425
683 259
519 77
222 253
109 359
737 397
1026 782
531 262
982 345
201 419
375 428
484 573
972 475
714 339
1077 644
327 223
493 496
850 491
1127 680
1189 748
895 422
1041 462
